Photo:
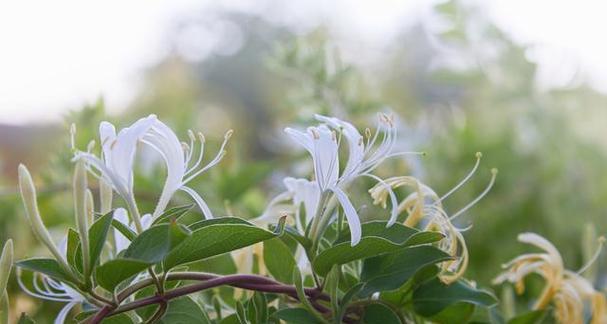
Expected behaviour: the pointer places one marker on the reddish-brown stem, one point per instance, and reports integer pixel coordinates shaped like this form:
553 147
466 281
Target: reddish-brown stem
250 282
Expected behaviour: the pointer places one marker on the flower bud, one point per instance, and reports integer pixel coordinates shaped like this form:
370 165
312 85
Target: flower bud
81 209
28 195
105 196
6 263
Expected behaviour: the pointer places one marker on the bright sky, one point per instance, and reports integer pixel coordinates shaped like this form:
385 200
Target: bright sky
57 55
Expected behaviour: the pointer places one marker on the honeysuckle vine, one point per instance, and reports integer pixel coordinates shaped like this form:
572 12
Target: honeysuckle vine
309 257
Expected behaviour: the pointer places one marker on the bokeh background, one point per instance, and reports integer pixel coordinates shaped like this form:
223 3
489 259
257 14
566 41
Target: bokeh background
523 82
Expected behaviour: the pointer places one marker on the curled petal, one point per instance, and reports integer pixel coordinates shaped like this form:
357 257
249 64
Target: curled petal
206 211
351 215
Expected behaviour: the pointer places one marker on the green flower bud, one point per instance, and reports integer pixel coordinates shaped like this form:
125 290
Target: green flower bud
6 263
105 196
81 210
28 195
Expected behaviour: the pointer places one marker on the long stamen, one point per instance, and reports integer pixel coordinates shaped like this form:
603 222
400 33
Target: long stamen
200 154
478 155
596 255
190 153
473 202
216 160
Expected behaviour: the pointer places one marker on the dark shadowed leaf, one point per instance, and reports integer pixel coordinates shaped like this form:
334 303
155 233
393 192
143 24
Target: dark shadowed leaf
455 314
390 271
113 272
433 296
532 317
380 314
296 316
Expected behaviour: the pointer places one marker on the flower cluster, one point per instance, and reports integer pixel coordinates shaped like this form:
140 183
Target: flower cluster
333 264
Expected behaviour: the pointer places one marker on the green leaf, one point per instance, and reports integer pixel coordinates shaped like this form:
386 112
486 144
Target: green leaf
376 240
46 266
153 244
118 319
232 319
98 235
124 230
260 304
433 296
73 252
172 214
294 234
455 314
279 260
380 314
4 308
296 316
390 271
346 300
217 221
185 310
241 313
113 272
213 240
532 317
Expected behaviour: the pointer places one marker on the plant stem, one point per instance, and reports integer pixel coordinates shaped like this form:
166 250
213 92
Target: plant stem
250 282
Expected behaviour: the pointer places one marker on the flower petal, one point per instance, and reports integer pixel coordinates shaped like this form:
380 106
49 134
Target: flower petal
351 215
206 211
61 317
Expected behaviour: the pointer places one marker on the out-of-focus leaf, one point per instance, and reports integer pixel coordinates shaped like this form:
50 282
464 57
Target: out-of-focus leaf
390 271
213 240
532 317
433 296
247 176
113 272
24 319
376 240
279 260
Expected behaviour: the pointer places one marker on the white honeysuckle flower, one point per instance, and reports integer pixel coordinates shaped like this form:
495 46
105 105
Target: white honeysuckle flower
116 164
50 289
304 192
121 215
323 145
566 289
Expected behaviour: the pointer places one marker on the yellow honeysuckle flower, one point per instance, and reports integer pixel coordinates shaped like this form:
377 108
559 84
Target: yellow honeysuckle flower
565 289
425 204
